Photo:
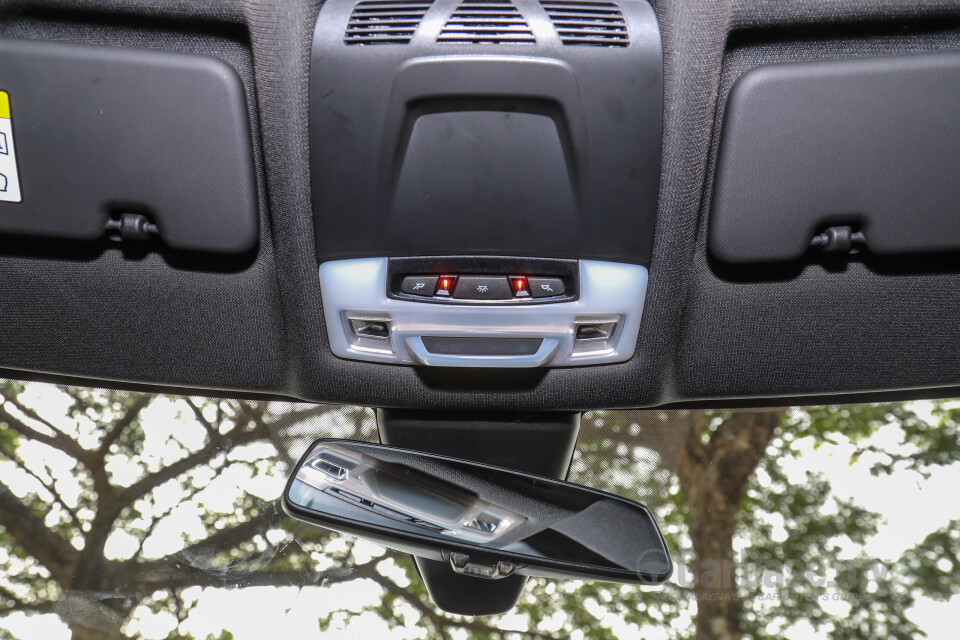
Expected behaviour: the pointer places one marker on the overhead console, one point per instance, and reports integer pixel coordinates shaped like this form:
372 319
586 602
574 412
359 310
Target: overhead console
485 178
477 315
840 155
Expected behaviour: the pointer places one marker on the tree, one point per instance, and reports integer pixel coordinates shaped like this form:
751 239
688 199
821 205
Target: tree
58 562
81 470
729 489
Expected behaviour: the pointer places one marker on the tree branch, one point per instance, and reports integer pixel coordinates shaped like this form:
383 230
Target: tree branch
49 487
28 529
441 623
150 578
139 404
30 413
694 446
156 519
194 557
666 438
16 604
289 419
65 444
208 426
148 483
229 538
738 446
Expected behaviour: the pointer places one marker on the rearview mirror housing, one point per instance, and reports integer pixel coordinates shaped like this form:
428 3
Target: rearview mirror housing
485 521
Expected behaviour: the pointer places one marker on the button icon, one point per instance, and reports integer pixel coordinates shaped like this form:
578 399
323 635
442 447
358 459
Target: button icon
419 285
3 182
546 287
483 288
4 149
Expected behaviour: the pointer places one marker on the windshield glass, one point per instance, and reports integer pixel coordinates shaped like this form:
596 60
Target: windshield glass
138 515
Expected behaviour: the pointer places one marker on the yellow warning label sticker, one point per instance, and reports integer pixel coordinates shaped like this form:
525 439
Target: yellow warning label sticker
9 177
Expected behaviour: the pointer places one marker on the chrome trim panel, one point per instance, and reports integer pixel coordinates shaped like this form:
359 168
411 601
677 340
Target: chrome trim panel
609 291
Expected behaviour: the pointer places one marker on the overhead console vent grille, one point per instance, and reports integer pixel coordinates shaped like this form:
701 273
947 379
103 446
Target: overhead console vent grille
384 21
486 22
515 138
597 24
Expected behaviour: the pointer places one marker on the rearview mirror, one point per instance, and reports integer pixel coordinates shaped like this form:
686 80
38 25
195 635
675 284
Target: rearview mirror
485 521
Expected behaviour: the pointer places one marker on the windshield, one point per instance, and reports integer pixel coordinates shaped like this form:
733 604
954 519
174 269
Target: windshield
137 515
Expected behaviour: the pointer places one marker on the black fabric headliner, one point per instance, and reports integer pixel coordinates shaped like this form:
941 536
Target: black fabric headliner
257 328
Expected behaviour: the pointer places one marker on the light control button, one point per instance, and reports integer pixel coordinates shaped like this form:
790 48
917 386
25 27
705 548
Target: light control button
545 287
419 285
483 288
